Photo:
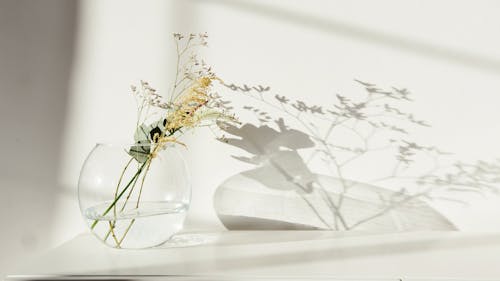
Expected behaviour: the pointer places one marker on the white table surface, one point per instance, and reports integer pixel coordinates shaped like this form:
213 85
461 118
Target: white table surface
284 254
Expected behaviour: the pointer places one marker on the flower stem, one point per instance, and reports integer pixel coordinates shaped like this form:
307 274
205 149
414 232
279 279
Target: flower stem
142 184
111 227
136 205
113 223
120 181
121 194
132 182
129 194
126 231
111 230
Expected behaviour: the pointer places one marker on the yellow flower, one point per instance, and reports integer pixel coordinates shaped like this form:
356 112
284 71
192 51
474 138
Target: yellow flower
205 81
185 106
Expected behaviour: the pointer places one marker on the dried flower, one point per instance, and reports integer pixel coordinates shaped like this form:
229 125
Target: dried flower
161 121
190 103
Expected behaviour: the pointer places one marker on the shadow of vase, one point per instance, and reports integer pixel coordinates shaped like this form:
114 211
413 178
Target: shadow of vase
282 193
245 201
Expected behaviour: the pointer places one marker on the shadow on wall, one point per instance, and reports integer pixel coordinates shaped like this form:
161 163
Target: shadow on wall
36 51
364 34
282 192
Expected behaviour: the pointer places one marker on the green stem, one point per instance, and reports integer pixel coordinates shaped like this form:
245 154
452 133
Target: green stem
129 194
126 231
137 204
107 234
121 210
120 181
121 194
134 181
112 224
142 184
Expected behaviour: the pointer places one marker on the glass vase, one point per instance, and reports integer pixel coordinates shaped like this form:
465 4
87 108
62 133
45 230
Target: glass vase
132 197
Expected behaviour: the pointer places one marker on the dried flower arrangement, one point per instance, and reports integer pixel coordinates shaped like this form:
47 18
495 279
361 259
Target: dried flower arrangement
191 103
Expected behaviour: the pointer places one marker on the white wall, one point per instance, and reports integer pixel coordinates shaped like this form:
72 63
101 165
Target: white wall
444 52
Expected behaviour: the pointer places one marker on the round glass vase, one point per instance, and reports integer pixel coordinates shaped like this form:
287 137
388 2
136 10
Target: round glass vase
131 198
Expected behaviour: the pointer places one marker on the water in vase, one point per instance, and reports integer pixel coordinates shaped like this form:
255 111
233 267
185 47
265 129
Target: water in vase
150 224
